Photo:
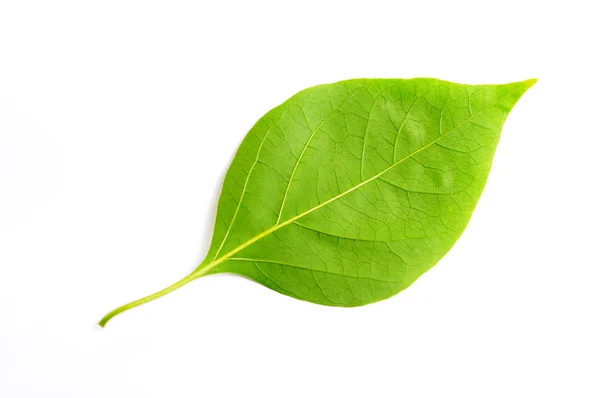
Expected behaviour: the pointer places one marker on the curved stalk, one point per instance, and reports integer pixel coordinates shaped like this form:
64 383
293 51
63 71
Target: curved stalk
194 275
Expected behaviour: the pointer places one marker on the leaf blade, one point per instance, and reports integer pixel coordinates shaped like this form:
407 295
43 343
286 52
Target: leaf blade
488 116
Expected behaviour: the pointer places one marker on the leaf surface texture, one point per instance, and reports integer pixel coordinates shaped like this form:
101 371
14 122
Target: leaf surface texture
355 189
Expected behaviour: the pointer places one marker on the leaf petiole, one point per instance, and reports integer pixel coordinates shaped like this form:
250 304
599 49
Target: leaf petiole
194 275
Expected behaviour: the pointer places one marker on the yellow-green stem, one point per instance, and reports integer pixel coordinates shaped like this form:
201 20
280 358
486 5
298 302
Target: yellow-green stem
194 275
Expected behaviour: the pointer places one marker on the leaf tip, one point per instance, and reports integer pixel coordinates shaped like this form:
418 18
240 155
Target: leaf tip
530 82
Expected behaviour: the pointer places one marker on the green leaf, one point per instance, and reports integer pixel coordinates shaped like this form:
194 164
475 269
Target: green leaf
348 192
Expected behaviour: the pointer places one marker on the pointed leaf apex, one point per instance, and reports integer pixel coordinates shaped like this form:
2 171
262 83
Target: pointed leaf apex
530 82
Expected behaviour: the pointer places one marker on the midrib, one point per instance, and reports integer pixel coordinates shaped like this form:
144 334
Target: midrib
201 270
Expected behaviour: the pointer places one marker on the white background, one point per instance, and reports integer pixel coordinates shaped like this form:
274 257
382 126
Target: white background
118 120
